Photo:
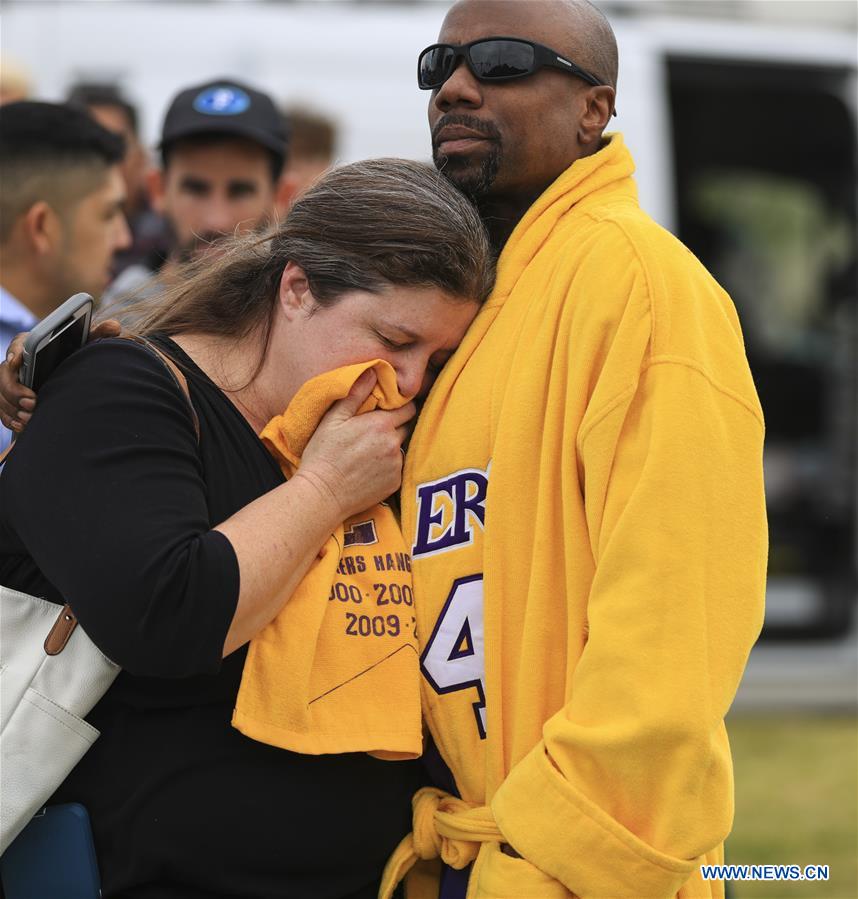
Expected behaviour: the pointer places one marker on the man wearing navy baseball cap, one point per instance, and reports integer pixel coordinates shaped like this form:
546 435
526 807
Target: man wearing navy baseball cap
223 147
228 109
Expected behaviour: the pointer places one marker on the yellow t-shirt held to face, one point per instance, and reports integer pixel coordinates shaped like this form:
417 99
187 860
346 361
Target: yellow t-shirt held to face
336 670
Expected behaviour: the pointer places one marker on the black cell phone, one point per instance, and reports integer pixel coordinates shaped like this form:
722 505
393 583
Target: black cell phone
54 339
53 856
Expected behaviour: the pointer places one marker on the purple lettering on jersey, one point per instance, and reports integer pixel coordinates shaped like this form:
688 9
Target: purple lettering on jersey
466 490
464 643
361 534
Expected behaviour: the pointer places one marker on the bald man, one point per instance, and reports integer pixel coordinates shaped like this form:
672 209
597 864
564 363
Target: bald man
584 498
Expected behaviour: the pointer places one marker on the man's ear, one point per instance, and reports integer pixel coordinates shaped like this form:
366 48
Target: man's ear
599 103
42 228
156 187
294 293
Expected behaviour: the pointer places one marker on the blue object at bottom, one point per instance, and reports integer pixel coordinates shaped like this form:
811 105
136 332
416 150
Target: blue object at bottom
53 857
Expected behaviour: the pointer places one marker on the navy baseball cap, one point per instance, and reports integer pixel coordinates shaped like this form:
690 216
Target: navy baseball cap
226 107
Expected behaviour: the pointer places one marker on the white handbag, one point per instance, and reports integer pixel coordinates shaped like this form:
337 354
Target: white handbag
51 675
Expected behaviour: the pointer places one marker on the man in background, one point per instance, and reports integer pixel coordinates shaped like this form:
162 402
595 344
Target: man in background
312 148
223 148
61 219
14 81
113 111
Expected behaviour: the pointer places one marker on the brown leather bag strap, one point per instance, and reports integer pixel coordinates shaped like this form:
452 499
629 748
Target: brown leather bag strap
59 634
176 373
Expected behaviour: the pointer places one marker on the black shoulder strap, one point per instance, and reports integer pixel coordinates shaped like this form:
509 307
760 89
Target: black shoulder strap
176 374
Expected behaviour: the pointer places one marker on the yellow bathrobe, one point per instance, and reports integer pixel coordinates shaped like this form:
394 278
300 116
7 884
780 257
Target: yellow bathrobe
584 499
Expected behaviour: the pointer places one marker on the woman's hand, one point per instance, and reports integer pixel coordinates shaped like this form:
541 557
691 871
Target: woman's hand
17 402
355 460
351 463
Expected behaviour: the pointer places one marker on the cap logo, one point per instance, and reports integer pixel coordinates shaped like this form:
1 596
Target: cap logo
222 100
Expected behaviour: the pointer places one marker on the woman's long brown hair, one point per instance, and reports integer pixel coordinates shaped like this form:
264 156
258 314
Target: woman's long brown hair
364 226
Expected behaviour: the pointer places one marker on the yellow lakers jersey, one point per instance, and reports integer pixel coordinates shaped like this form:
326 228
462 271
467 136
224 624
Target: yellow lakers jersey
444 511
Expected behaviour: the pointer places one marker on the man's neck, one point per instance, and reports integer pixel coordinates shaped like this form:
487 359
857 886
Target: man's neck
500 215
27 291
501 212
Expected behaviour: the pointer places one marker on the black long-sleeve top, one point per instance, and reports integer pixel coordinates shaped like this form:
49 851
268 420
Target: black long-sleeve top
108 502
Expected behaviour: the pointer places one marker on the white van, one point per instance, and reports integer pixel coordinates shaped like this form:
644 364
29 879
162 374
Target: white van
745 141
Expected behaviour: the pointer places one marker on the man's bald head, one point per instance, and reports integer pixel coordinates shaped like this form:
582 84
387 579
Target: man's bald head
582 29
591 37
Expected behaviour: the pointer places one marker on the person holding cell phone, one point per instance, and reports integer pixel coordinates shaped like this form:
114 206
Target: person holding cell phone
61 199
175 551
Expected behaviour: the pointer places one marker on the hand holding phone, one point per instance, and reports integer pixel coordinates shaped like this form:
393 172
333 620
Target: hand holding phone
17 402
54 339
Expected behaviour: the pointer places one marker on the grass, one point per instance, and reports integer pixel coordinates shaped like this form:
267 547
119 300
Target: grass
796 802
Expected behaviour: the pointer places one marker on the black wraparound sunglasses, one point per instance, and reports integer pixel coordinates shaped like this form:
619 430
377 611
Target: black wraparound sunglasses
494 59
